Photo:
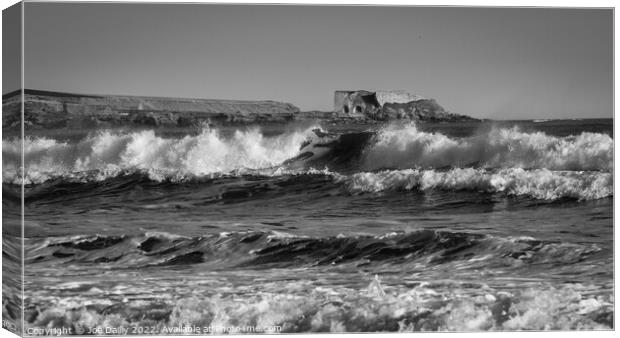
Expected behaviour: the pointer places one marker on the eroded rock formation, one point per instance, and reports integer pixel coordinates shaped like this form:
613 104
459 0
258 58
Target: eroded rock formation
390 105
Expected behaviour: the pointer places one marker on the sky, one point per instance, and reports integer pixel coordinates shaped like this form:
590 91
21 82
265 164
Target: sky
499 63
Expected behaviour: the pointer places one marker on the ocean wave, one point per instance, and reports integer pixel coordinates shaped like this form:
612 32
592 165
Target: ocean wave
422 308
425 307
404 147
307 304
109 153
264 249
541 184
538 183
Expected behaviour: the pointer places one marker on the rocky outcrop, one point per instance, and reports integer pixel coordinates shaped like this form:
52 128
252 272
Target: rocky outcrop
391 105
43 109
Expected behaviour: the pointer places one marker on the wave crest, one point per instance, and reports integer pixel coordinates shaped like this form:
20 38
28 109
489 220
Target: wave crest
426 307
110 153
538 183
106 154
407 147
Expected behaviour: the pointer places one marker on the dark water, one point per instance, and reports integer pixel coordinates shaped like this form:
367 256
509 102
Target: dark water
498 226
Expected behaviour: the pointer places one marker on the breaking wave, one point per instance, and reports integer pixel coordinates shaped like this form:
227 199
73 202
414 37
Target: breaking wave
538 183
427 307
437 305
109 153
407 147
506 161
437 275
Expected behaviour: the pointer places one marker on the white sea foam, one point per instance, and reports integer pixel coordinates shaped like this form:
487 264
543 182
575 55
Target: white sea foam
537 183
404 147
334 309
109 153
547 159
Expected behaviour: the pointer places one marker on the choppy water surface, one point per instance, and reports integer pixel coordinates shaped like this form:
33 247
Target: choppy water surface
401 228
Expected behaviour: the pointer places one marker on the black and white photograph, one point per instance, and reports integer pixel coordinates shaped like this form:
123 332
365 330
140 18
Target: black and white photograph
227 168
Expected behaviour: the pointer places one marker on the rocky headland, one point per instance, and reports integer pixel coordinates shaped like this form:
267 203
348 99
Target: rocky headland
51 110
392 105
47 109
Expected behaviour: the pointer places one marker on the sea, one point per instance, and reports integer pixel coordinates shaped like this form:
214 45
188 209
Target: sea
311 227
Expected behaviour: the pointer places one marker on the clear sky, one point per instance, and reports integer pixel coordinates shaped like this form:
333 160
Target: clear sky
499 63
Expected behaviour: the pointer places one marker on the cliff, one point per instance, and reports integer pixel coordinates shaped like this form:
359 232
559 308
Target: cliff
48 110
44 109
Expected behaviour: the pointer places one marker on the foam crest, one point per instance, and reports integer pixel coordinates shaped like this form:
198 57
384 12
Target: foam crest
106 154
325 309
408 147
537 183
109 153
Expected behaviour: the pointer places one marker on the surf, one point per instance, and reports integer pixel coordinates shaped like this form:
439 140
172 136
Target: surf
538 183
110 152
403 147
107 153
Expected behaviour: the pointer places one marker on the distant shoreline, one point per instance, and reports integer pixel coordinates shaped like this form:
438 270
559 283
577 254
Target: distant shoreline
49 109
57 110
